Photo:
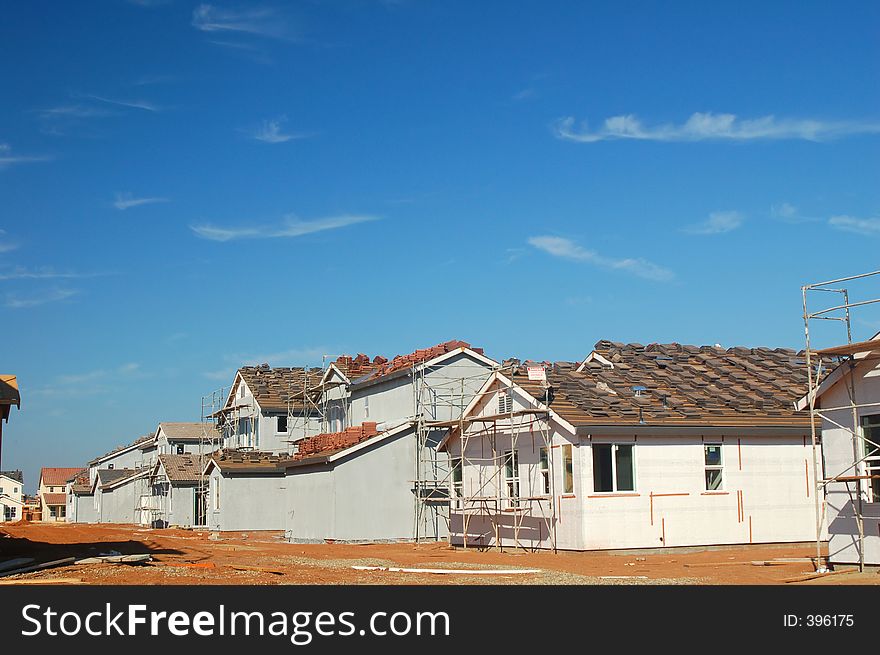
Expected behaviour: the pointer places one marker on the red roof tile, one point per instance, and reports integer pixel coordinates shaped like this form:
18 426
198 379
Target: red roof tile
329 443
55 499
420 356
58 476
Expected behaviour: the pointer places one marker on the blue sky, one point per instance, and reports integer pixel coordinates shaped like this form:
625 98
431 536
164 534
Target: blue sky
187 187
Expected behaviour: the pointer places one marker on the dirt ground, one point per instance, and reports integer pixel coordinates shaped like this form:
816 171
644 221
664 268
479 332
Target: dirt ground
188 557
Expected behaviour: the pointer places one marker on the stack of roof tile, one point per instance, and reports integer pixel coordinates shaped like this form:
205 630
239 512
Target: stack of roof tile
324 445
419 356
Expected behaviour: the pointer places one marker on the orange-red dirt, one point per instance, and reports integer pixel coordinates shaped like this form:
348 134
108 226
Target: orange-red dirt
189 557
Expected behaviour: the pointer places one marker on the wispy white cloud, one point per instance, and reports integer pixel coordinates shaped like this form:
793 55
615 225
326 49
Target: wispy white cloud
5 245
717 223
706 126
88 383
131 104
45 273
788 213
524 94
74 111
249 19
290 227
126 200
270 132
8 158
865 226
15 301
568 249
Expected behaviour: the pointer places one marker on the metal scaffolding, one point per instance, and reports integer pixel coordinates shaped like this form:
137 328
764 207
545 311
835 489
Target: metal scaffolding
214 420
818 361
440 487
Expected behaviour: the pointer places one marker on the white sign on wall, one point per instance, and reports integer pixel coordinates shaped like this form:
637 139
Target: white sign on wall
537 373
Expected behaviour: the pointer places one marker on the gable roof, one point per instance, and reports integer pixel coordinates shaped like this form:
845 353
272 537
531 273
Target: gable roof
18 476
329 447
192 432
54 477
140 442
424 356
181 469
81 484
675 384
275 388
112 477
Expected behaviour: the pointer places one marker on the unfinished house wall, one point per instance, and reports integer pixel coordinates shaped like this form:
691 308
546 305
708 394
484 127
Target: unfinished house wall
116 505
246 501
765 494
393 399
365 496
840 450
181 510
81 509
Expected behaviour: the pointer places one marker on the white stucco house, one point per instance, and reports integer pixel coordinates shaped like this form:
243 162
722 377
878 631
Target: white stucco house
636 447
847 404
11 495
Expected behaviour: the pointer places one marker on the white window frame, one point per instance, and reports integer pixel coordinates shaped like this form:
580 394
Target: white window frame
614 446
567 448
544 470
713 467
511 482
456 482
870 463
505 400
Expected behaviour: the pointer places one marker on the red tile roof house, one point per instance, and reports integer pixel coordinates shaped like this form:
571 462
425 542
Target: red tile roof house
53 492
638 447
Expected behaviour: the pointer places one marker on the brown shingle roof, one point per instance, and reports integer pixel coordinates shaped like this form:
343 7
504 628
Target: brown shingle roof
273 388
81 484
55 499
188 431
16 475
182 468
683 385
139 441
54 477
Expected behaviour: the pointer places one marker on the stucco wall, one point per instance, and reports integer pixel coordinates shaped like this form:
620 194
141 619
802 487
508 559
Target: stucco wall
767 493
840 451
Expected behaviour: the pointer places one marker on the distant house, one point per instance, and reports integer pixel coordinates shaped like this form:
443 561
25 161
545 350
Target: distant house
130 456
173 501
848 407
11 495
184 438
80 499
117 494
636 447
53 492
9 396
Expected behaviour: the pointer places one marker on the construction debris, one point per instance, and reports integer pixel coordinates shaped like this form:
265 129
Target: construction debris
448 571
39 567
42 581
15 563
116 559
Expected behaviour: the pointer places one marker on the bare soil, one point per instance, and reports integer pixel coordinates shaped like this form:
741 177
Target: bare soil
199 557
